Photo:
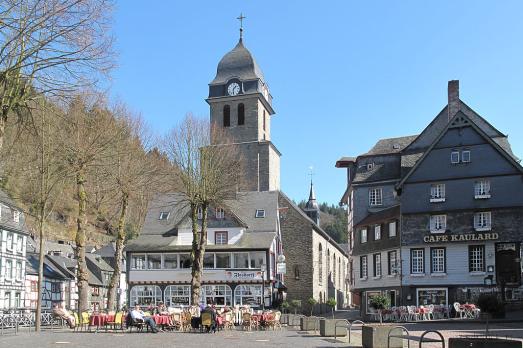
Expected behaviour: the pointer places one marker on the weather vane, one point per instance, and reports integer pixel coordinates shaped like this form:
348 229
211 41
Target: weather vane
311 172
241 18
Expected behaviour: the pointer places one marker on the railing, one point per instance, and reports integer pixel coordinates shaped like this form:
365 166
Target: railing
15 319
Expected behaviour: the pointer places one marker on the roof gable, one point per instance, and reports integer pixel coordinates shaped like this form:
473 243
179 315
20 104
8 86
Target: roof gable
461 120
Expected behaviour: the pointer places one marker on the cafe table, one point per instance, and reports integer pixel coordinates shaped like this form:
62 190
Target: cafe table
100 319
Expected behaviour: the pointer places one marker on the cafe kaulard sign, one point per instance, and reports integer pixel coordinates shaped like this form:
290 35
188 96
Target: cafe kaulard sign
467 237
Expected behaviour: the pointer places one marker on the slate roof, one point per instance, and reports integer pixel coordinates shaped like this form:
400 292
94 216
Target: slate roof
379 172
238 63
380 216
162 234
51 271
390 145
64 264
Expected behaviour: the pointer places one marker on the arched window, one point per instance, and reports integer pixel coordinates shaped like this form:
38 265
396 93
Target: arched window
177 295
248 295
145 295
334 269
220 295
320 265
241 114
226 116
339 272
264 125
328 265
296 272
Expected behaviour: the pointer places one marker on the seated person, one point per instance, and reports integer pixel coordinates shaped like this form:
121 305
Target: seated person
160 309
212 312
137 314
64 314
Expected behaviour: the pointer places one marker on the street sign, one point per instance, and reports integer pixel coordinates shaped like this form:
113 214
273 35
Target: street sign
281 268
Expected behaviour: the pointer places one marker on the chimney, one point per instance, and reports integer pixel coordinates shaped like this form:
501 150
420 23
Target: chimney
453 91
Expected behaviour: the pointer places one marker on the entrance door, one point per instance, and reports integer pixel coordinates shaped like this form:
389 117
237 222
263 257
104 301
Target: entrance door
508 264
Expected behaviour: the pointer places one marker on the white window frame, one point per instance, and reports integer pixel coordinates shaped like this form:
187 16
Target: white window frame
482 189
177 291
454 157
417 262
19 271
219 213
466 156
260 213
437 260
476 259
218 290
16 216
392 229
392 265
10 241
176 257
438 223
9 269
363 233
370 166
221 240
376 264
437 193
20 244
164 215
483 221
375 197
144 267
152 292
364 267
250 291
377 232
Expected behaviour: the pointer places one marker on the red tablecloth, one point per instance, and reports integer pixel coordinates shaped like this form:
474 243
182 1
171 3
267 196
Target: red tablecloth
468 306
422 310
162 319
100 319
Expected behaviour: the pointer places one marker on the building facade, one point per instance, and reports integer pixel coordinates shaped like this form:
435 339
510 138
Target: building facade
453 197
13 239
247 236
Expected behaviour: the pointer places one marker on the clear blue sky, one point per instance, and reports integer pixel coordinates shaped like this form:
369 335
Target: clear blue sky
343 74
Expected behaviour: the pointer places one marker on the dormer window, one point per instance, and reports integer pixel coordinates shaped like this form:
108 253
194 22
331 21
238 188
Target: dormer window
370 166
220 214
465 156
164 215
260 213
16 216
454 157
437 193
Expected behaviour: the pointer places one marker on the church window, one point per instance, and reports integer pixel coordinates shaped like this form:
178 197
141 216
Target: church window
320 265
264 125
241 114
226 116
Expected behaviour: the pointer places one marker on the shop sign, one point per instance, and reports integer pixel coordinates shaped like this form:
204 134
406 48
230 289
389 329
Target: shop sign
281 268
467 237
243 275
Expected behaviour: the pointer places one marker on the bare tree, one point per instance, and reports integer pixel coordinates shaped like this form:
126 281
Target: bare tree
134 175
207 176
51 48
38 164
90 132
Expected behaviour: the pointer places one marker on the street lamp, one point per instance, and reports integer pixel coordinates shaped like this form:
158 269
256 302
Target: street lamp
263 266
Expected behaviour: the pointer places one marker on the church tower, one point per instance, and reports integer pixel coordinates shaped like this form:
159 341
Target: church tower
241 104
312 208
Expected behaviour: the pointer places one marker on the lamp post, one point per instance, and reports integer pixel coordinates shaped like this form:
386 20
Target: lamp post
263 266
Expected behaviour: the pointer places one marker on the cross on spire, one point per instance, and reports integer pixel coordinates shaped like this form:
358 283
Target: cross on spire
311 172
241 18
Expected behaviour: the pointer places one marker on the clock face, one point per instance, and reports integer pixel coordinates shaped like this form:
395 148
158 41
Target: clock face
233 89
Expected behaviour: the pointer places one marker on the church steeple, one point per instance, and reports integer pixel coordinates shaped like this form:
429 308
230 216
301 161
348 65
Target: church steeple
312 208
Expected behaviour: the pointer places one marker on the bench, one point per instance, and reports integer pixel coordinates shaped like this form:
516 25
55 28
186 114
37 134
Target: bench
405 335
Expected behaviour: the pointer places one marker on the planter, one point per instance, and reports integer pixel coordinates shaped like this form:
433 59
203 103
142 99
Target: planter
309 323
483 343
294 320
328 328
376 336
284 320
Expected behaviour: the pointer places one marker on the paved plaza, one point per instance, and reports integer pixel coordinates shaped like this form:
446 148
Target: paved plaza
235 338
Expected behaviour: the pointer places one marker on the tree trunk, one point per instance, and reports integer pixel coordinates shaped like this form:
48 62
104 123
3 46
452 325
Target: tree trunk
82 275
195 257
41 255
118 255
3 121
199 253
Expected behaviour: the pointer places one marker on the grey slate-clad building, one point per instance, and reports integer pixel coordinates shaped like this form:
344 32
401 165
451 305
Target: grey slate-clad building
250 234
13 239
459 192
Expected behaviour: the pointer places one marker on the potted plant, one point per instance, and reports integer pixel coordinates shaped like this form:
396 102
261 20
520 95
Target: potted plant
309 323
328 326
379 303
294 318
331 302
312 302
489 305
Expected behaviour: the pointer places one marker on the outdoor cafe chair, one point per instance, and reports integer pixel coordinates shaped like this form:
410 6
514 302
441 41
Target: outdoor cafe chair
117 322
247 322
206 323
459 311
